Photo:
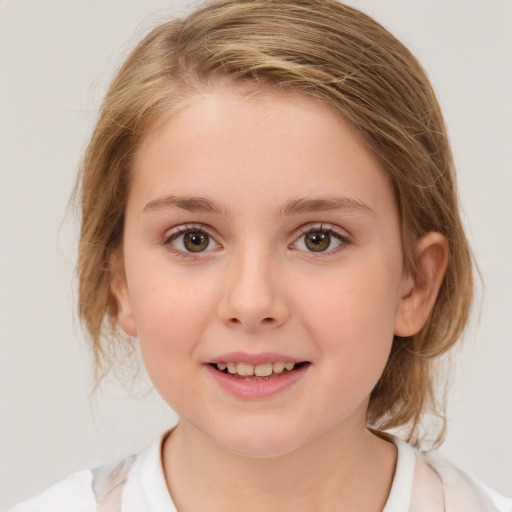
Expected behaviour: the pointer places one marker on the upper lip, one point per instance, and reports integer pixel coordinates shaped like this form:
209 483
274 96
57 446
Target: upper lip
261 358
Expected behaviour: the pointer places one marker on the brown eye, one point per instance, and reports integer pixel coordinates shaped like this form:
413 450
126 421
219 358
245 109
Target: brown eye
321 240
317 241
196 241
191 240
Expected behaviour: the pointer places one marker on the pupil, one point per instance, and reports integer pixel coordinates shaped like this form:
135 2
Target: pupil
318 242
195 242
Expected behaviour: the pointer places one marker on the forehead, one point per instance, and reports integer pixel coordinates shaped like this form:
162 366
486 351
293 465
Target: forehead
276 144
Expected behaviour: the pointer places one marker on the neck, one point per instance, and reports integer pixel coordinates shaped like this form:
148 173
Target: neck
333 472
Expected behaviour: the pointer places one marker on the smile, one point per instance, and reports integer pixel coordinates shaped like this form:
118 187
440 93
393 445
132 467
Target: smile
257 381
262 371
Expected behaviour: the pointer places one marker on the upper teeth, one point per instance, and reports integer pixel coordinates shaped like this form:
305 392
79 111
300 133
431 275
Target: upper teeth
260 370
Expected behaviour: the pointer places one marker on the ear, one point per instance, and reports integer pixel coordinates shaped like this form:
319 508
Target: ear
419 291
119 289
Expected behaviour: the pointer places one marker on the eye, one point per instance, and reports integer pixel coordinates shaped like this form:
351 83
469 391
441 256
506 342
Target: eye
191 240
320 240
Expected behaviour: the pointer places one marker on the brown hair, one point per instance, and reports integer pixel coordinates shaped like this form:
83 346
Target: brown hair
328 51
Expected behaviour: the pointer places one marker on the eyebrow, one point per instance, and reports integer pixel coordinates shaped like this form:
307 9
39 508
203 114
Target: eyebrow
188 203
291 207
324 204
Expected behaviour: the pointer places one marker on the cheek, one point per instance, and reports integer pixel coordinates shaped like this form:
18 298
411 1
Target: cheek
171 314
168 304
360 302
352 317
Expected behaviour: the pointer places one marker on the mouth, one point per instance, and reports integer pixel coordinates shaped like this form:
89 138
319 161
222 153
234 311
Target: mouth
258 372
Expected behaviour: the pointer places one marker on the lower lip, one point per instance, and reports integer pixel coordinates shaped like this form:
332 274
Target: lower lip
257 388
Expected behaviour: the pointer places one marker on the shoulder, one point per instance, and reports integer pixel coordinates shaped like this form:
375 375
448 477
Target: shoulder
462 492
137 481
73 494
82 491
426 482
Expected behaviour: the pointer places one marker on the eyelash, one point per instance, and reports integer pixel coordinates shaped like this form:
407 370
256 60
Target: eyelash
344 239
183 230
303 231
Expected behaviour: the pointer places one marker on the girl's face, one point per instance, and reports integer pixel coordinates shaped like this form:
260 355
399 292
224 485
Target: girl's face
260 232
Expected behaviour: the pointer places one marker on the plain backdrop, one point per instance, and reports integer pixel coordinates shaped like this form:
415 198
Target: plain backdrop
56 59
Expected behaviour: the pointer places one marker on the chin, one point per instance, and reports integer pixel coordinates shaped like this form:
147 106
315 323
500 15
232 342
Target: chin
260 443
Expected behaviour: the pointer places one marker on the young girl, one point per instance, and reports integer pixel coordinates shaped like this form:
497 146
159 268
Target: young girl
269 207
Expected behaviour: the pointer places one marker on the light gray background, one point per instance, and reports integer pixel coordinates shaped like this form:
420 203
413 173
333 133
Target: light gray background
56 58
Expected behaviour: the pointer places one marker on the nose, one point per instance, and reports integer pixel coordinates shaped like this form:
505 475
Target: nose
253 297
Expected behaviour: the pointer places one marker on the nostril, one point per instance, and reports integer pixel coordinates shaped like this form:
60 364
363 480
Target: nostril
268 322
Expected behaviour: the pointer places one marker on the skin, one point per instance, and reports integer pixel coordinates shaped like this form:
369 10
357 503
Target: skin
258 288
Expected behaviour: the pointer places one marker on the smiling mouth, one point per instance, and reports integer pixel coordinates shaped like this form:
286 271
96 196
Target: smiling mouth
255 372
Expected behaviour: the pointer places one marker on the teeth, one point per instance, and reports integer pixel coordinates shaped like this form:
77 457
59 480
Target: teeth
278 367
263 370
259 370
245 369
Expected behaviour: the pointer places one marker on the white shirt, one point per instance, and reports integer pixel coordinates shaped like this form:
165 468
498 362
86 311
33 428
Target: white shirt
422 483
